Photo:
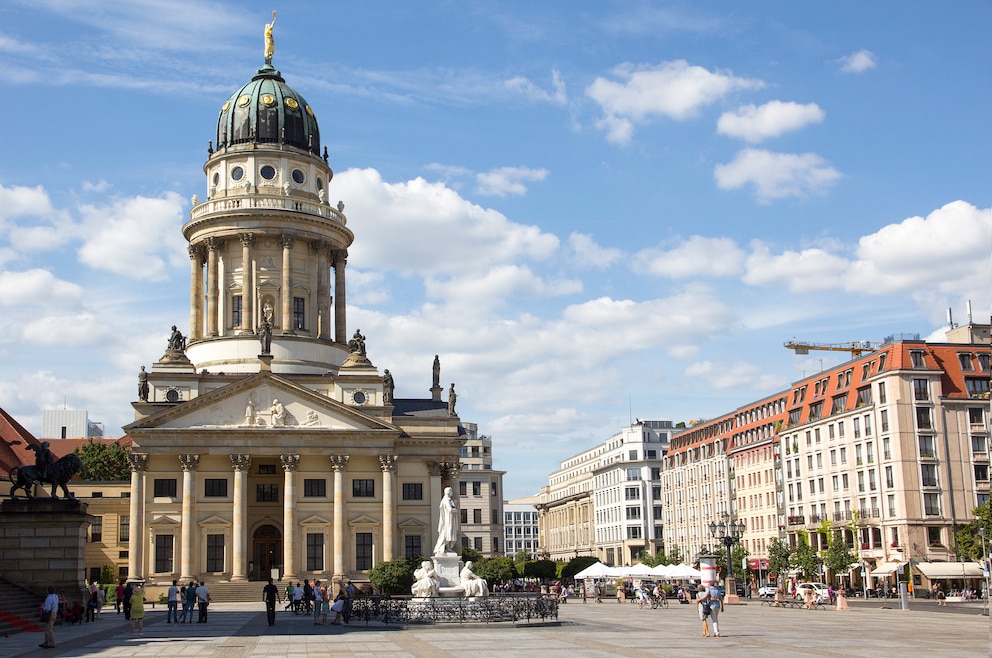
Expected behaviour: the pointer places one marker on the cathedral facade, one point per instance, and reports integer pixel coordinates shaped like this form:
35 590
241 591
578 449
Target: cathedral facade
265 441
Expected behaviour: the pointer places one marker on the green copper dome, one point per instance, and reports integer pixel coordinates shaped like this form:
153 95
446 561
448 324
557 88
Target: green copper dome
268 111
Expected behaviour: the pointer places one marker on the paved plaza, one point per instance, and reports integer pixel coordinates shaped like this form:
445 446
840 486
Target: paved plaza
239 630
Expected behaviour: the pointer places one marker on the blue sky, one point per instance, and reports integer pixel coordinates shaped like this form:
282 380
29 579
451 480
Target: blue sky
593 211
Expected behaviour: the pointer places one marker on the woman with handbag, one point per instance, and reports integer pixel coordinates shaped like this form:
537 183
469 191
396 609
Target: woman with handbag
49 610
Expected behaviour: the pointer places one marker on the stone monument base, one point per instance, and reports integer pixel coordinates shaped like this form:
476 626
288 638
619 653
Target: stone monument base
448 567
43 542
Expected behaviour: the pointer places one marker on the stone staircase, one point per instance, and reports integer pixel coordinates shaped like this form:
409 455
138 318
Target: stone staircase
221 592
19 610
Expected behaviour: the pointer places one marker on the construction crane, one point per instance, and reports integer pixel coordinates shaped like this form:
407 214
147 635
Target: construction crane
856 348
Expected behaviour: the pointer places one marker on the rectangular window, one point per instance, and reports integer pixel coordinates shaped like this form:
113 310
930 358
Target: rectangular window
632 493
633 474
215 553
931 504
967 361
363 488
163 553
845 481
236 311
413 491
267 493
314 488
124 530
934 537
857 428
363 551
921 389
299 313
833 457
979 445
928 475
477 542
315 551
634 532
889 479
881 387
655 493
884 419
215 487
924 420
981 473
96 530
266 469
927 447
983 361
840 429
476 488
835 481
843 455
886 448
916 357
462 488
977 388
892 505
477 516
463 516
864 396
412 547
165 489
867 425
976 416
633 513
872 485
815 410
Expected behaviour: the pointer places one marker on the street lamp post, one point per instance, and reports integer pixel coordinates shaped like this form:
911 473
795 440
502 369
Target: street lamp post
728 533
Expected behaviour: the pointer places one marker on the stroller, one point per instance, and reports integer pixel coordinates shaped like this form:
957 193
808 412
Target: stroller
74 613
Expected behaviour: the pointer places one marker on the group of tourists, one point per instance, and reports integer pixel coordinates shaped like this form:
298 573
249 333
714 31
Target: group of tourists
311 599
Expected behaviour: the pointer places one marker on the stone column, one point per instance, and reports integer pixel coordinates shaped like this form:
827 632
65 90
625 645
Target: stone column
241 464
287 282
247 284
186 537
289 465
213 292
435 490
388 465
323 290
338 464
340 316
138 462
195 292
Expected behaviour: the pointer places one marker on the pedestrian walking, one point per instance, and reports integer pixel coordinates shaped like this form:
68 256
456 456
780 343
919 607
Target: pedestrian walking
190 602
120 597
138 609
172 616
128 592
270 593
49 611
202 601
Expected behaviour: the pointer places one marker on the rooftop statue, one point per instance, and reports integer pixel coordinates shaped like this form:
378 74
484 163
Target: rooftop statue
270 44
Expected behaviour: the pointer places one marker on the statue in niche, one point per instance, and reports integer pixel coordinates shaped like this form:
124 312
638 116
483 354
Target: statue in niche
437 372
322 196
142 385
357 343
427 581
471 583
387 388
452 398
177 342
265 334
277 413
447 524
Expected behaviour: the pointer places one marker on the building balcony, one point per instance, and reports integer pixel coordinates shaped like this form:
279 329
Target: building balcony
796 520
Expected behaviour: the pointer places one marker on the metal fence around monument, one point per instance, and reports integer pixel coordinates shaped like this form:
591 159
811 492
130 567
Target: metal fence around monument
490 609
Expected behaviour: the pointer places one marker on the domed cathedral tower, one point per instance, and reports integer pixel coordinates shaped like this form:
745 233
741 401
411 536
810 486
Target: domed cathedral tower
263 243
266 441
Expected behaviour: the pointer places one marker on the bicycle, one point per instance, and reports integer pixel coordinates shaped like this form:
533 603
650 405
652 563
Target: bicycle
659 602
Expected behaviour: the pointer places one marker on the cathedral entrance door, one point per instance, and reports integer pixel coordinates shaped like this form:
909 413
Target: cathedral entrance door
267 551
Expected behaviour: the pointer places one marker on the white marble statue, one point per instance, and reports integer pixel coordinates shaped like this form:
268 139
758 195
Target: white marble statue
427 581
250 412
278 413
472 584
447 524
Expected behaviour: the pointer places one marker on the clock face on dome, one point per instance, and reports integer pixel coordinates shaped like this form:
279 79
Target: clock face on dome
359 397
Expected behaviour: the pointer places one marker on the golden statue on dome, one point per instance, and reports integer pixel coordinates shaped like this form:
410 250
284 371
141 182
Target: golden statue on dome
270 44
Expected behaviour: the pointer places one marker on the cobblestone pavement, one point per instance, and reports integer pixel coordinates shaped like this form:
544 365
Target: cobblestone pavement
239 630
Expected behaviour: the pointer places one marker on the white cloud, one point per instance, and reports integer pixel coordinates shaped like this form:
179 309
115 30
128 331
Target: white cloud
504 181
587 253
501 282
23 201
799 271
138 236
403 227
38 288
99 186
757 123
776 175
737 374
524 87
696 257
858 62
671 89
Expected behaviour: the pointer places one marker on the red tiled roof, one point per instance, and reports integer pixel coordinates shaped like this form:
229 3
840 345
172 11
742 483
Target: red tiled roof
14 440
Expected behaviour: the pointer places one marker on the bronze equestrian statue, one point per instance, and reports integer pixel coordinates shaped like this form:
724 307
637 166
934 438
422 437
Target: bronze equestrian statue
45 471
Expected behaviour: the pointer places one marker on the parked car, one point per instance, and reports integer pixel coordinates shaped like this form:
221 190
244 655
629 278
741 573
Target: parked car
819 590
766 591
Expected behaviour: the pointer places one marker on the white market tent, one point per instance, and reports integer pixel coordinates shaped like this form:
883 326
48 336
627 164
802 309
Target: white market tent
638 570
662 571
597 570
683 571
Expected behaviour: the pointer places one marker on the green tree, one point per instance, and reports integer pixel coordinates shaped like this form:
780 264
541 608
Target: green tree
804 558
540 569
967 541
469 554
652 559
394 576
575 565
495 569
672 556
838 557
779 558
103 461
520 559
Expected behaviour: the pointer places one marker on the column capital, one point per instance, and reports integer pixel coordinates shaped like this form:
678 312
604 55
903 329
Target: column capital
195 253
138 461
189 462
290 462
453 469
387 463
241 462
339 463
287 239
247 239
320 247
339 257
435 469
213 244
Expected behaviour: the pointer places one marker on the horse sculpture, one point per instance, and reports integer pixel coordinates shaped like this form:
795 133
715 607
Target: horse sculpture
57 473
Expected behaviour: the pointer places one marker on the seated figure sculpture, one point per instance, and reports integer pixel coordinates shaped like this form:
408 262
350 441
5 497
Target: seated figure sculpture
427 581
471 583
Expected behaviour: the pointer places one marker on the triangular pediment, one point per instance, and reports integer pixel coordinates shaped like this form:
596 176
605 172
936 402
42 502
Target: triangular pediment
314 519
413 524
215 522
263 402
364 520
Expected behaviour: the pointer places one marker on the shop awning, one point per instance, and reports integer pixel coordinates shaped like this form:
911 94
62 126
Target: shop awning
887 569
949 569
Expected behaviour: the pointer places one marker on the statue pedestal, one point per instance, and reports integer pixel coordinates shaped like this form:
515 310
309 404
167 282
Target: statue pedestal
448 567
